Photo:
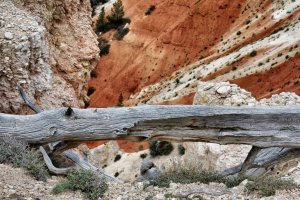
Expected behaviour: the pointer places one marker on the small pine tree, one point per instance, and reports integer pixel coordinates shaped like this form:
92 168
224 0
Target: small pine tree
120 101
117 12
101 21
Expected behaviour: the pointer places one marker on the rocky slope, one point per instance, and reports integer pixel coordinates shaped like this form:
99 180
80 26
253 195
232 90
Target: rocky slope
49 48
254 44
16 184
26 188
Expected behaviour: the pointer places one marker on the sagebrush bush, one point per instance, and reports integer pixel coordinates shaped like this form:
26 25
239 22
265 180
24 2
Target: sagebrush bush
267 186
160 148
186 176
19 154
11 150
92 186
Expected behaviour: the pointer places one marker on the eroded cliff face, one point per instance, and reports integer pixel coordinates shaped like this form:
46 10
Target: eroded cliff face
49 48
252 43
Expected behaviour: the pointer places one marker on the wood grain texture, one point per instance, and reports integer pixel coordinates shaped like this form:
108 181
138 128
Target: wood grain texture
260 126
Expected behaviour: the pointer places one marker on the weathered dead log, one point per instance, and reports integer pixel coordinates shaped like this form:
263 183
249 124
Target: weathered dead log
61 147
265 158
259 126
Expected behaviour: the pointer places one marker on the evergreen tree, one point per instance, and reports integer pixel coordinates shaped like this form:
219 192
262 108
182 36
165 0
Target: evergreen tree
120 100
101 21
117 12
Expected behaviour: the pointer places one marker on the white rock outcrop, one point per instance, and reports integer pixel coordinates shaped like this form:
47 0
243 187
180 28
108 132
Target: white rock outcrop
223 93
49 48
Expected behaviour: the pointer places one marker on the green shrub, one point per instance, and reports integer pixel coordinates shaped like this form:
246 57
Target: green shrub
253 53
34 164
120 101
117 157
19 154
91 185
181 149
121 32
193 175
90 91
104 50
12 151
93 74
159 148
150 10
104 46
267 186
61 187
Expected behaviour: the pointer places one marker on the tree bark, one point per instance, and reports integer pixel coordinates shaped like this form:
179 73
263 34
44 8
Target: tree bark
259 126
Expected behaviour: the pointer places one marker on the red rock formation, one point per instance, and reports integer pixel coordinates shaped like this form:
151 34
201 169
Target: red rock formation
177 33
283 78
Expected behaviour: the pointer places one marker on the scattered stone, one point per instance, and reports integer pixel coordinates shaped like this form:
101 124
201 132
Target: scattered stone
224 90
8 35
15 183
146 165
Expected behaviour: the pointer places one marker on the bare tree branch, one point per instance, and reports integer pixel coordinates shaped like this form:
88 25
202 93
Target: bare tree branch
51 167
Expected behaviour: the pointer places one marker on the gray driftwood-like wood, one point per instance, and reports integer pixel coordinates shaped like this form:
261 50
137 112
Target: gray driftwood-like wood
61 147
258 126
84 164
51 167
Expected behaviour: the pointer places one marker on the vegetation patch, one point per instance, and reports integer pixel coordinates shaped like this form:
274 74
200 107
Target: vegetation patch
104 46
114 20
93 74
266 186
95 3
160 148
19 154
121 32
181 149
143 156
253 53
120 101
91 185
150 10
90 91
117 158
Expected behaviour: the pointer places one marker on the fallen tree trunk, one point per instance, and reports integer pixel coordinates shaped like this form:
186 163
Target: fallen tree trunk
59 147
259 126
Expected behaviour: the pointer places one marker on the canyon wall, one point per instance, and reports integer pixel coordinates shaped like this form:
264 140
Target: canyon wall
47 47
254 44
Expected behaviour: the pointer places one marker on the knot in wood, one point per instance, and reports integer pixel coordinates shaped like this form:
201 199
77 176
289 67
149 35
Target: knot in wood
69 112
121 132
53 131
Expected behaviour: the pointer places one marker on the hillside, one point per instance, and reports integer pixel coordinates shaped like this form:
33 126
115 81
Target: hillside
254 44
